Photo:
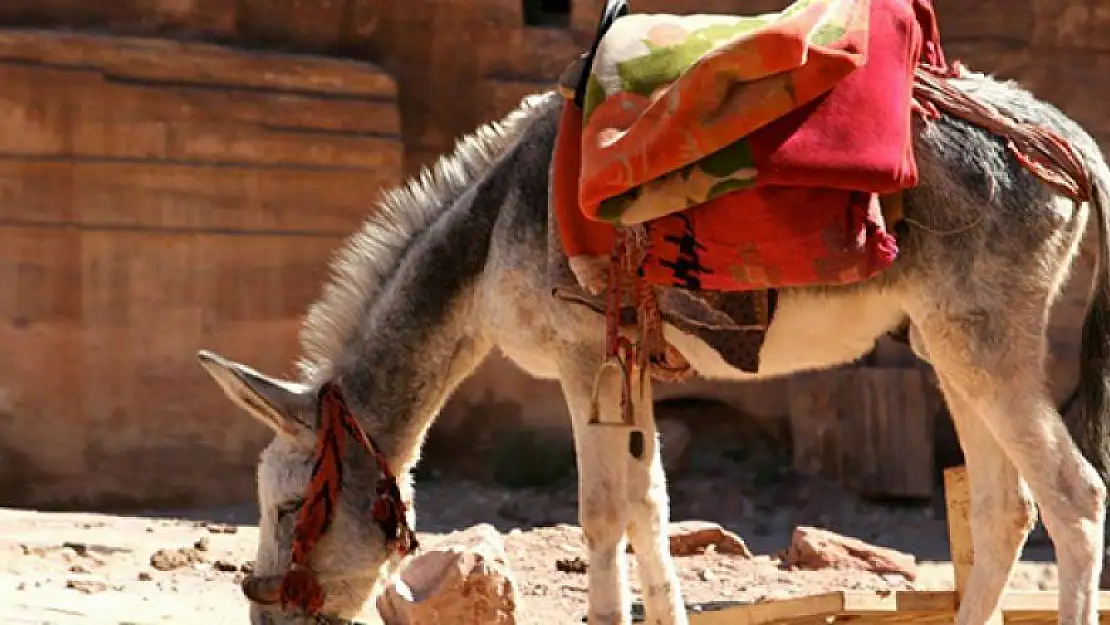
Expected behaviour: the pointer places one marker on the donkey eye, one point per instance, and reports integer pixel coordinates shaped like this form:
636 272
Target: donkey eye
289 507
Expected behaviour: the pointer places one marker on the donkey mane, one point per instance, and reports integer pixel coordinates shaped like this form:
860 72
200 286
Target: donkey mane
362 266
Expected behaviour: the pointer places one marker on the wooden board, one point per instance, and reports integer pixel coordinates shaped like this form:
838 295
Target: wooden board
903 606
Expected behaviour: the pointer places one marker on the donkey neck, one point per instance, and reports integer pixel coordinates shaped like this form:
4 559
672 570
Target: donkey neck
422 334
420 338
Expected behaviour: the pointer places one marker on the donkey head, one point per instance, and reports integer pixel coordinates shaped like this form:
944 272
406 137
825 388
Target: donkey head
353 557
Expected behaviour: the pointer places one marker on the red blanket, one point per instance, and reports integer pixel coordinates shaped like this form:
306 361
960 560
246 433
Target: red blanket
813 214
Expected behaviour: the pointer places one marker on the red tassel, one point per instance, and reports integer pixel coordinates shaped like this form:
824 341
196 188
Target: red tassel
300 589
382 511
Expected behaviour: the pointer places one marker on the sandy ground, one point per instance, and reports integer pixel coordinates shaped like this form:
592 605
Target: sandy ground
91 568
71 568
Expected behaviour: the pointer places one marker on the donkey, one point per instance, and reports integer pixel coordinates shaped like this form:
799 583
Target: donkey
452 265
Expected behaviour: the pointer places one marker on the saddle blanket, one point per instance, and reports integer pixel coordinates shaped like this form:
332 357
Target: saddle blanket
755 150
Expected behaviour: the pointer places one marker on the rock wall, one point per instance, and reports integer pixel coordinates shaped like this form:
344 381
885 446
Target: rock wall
158 194
156 197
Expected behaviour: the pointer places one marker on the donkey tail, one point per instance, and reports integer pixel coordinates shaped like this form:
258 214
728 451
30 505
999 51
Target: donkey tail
1091 430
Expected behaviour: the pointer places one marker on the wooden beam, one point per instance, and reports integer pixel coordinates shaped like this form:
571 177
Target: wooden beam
916 606
904 606
957 497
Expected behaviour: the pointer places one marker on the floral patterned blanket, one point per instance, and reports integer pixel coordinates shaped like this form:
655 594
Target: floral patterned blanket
755 151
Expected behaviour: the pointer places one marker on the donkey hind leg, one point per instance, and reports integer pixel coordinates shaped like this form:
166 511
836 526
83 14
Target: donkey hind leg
619 493
1002 509
995 362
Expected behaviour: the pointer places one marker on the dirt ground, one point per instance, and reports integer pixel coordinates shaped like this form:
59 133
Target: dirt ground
91 568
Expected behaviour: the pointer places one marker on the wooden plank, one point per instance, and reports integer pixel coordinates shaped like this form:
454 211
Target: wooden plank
957 500
146 196
181 62
906 606
783 610
957 493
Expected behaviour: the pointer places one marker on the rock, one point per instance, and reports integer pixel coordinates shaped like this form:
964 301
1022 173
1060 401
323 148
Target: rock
170 559
87 585
201 544
571 565
813 549
80 549
674 441
463 579
689 538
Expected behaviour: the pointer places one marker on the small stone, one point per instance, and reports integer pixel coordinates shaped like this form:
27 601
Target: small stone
221 528
87 586
688 538
171 559
814 549
571 565
145 576
80 549
77 568
225 566
201 544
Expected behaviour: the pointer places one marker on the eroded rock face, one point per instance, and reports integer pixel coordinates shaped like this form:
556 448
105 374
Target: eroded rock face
463 579
814 549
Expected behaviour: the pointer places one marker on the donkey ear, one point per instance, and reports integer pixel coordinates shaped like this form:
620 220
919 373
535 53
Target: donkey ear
282 405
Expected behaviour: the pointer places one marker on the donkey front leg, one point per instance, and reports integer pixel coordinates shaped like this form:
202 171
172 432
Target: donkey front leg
602 483
649 513
620 491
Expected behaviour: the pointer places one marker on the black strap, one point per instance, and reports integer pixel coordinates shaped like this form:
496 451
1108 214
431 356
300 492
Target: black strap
613 10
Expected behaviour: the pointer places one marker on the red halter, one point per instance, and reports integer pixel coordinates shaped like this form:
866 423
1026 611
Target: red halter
299 587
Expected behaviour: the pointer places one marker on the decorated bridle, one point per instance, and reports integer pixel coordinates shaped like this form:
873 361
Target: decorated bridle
299 587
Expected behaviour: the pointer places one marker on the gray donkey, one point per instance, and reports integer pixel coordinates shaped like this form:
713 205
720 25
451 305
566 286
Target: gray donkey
453 265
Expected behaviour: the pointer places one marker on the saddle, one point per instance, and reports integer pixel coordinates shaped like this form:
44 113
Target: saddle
705 161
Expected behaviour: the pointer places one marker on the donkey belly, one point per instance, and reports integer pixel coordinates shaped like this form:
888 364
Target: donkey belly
811 329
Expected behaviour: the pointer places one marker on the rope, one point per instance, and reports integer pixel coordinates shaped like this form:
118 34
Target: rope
1046 154
652 353
299 586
